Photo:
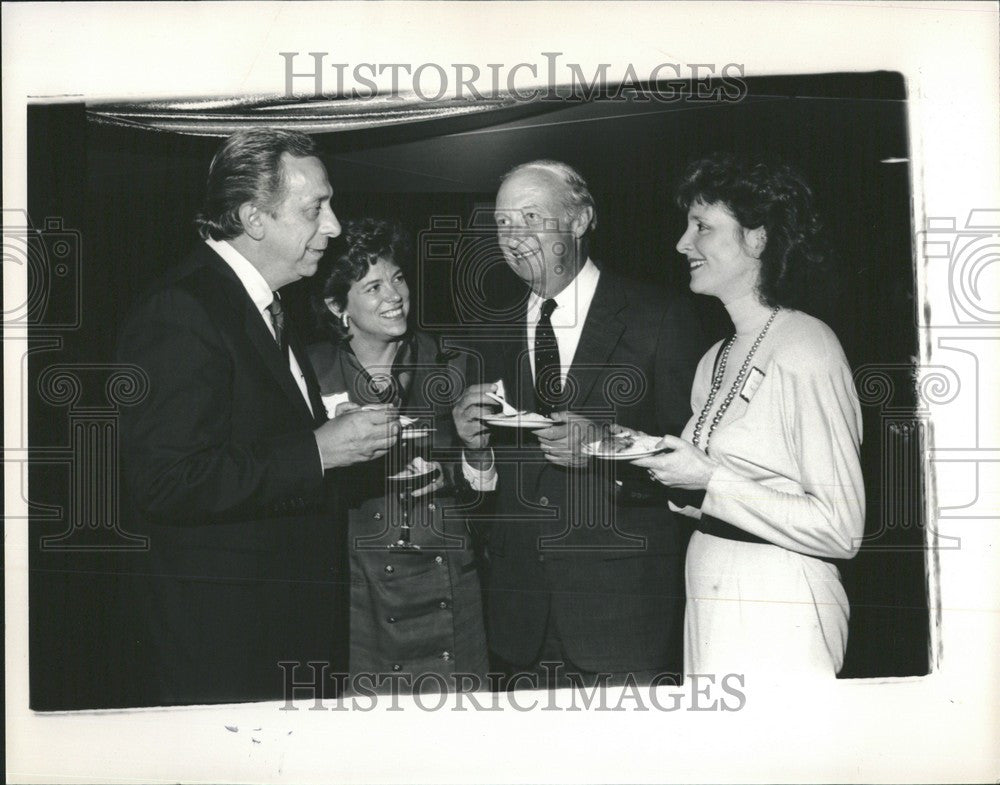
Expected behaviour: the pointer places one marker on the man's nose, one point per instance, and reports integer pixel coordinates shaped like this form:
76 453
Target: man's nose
329 224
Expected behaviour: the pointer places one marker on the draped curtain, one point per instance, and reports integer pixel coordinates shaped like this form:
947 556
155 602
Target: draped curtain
223 116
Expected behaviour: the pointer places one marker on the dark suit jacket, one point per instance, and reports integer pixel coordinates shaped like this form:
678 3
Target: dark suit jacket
573 547
222 469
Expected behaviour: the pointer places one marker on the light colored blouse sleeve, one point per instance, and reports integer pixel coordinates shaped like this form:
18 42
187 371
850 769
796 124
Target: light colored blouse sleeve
817 421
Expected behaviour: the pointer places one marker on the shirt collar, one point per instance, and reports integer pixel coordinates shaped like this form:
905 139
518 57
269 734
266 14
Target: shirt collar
249 275
578 292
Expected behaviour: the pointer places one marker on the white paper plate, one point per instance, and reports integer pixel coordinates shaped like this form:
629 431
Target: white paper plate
530 420
415 433
643 447
411 476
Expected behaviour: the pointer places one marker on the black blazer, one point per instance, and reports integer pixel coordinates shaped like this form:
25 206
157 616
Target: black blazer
578 547
245 567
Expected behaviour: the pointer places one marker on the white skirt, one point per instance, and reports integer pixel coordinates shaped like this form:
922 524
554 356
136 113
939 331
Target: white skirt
760 609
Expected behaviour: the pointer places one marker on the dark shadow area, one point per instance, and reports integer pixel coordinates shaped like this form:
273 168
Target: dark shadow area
124 199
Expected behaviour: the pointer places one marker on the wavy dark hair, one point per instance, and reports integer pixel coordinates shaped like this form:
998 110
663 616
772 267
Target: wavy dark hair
361 245
247 168
774 195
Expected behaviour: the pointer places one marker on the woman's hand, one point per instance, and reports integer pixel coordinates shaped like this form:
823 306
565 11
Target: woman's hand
685 466
418 466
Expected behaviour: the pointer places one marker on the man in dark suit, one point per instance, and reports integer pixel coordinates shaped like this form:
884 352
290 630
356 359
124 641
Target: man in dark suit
585 568
224 459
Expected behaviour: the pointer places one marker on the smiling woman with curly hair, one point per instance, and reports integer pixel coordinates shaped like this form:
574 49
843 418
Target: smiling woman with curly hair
772 451
415 596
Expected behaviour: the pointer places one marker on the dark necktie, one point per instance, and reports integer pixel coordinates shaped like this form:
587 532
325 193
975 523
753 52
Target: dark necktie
278 321
548 382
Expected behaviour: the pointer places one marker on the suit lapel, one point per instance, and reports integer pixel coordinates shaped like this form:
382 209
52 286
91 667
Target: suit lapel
271 356
600 335
517 379
260 337
312 383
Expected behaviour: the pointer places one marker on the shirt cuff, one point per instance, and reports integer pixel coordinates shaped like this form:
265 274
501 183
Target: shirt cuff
727 494
480 479
690 512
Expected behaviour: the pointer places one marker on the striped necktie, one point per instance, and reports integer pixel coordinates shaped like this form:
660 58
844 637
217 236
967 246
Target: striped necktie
278 322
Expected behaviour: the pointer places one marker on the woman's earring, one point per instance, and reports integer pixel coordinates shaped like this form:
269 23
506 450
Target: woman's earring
345 320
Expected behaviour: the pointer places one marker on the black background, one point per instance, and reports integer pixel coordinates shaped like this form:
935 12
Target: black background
126 199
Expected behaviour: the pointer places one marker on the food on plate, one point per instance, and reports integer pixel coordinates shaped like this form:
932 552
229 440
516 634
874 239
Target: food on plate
617 442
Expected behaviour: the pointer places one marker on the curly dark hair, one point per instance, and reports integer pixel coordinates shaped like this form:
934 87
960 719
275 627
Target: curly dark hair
773 195
247 168
361 245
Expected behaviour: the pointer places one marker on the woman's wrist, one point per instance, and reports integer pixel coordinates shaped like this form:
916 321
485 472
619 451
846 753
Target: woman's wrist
709 468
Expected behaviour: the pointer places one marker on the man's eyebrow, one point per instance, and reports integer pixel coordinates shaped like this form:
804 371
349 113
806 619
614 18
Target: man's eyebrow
519 209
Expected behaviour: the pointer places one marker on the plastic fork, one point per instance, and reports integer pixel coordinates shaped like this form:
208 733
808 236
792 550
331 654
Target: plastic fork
506 409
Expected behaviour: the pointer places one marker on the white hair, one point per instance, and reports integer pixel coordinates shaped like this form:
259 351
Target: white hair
575 196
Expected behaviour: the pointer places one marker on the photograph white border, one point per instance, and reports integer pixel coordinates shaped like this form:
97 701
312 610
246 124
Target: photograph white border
943 727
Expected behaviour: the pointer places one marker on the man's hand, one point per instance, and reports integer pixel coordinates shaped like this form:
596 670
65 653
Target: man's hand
562 442
358 435
345 407
469 412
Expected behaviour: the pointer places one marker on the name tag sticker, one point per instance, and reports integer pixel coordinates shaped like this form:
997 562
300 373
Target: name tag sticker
754 378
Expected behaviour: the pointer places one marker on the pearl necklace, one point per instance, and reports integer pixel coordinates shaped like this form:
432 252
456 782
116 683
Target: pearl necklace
717 385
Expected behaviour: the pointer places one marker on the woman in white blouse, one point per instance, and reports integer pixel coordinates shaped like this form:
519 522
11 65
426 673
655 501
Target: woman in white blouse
773 443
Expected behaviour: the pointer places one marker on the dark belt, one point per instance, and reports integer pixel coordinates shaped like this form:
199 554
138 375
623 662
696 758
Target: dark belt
709 524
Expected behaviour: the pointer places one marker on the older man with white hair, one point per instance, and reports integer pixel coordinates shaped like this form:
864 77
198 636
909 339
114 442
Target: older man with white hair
585 577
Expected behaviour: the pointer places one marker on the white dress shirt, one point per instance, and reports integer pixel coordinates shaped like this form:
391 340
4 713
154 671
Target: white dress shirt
262 297
572 307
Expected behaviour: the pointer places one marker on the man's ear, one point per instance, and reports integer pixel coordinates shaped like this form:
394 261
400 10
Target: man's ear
582 221
252 220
